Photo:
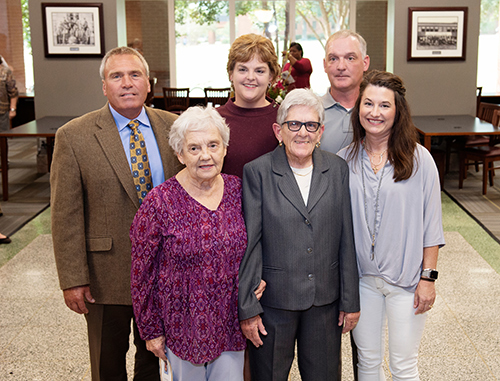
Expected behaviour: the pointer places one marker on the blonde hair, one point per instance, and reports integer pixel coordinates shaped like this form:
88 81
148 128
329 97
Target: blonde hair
121 50
345 33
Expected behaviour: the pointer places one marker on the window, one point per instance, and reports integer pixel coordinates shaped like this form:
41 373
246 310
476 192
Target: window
488 57
205 29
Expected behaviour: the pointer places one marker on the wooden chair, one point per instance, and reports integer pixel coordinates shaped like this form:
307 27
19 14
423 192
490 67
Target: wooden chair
495 139
486 155
486 110
216 96
176 99
479 91
151 95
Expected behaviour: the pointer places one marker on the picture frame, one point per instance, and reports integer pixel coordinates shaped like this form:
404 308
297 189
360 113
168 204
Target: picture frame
437 33
73 29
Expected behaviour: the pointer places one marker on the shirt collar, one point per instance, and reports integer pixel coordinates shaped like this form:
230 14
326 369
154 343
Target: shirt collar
122 122
329 102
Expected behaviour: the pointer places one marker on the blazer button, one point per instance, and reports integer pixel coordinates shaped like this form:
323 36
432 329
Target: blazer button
310 276
306 221
309 250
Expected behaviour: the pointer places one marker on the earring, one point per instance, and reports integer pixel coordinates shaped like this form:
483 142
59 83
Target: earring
269 85
318 144
280 143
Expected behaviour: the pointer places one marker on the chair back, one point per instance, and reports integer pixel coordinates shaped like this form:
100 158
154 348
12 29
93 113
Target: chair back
479 90
176 99
486 110
495 139
151 95
496 118
216 96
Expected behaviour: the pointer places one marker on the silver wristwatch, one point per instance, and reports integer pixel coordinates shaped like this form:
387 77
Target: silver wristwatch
429 274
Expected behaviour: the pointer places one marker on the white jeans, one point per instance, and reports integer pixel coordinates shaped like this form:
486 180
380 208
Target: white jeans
228 366
382 302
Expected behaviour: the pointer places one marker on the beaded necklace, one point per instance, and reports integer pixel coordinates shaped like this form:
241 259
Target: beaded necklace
372 233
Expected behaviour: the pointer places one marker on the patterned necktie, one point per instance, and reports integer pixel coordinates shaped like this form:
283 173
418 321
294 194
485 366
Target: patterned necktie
140 164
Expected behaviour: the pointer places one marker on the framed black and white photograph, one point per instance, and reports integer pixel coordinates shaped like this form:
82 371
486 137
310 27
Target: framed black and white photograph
73 29
437 33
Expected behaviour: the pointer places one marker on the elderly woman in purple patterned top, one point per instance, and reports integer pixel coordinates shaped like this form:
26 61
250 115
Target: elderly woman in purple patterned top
188 239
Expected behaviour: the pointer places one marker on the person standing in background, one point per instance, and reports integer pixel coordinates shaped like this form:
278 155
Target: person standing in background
8 109
298 67
8 96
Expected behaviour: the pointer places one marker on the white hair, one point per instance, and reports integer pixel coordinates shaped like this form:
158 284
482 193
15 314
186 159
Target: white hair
196 118
301 97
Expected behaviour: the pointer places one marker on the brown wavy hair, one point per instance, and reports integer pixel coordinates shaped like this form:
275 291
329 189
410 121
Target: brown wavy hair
245 47
403 136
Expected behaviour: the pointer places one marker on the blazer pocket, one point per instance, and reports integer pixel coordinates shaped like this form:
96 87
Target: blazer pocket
272 269
99 244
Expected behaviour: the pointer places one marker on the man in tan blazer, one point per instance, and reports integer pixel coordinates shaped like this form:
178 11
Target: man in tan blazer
94 200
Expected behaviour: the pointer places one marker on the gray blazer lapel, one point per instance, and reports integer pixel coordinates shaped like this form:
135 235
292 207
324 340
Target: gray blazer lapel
286 182
319 182
109 139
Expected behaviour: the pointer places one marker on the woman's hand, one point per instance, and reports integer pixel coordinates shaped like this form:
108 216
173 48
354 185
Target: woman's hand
425 295
348 320
157 346
260 290
289 57
251 328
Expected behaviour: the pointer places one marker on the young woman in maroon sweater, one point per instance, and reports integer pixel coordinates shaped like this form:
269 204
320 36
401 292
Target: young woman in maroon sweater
252 66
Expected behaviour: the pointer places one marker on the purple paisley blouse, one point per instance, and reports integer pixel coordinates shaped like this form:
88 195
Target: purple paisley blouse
184 277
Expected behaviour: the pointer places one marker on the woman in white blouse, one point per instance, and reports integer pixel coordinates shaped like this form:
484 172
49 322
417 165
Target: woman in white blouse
396 207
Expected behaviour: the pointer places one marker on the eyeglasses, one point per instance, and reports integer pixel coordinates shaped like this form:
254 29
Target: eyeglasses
295 125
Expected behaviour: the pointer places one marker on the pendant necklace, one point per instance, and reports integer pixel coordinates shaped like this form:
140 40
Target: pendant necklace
372 233
373 154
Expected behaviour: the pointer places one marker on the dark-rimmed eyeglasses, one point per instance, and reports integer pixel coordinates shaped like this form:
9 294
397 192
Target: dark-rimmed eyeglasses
295 125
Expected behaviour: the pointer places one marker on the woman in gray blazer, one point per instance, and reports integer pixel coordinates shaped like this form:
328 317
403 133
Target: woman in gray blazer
300 241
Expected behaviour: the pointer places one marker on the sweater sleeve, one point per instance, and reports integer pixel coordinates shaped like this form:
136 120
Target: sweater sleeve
146 238
303 66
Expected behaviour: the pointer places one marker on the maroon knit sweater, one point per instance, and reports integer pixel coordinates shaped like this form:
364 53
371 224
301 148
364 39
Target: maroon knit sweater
251 134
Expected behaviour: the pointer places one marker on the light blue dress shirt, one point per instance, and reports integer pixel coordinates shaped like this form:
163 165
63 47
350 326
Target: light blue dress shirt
154 157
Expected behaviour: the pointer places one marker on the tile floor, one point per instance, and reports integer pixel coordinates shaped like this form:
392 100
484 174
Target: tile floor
40 339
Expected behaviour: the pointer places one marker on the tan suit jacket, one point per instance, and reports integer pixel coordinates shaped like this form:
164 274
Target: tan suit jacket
93 202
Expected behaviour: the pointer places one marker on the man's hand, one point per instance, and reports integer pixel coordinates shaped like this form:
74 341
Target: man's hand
348 320
260 290
75 298
251 328
157 346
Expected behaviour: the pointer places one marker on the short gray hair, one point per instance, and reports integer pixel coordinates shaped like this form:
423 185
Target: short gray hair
121 50
301 97
345 33
196 118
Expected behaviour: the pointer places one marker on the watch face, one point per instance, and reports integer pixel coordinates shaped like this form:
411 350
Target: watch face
433 274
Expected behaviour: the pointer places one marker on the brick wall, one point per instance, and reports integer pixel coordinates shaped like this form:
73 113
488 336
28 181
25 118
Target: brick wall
147 21
11 39
371 23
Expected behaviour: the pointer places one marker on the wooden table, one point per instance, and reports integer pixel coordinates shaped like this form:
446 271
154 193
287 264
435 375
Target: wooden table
45 127
452 125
